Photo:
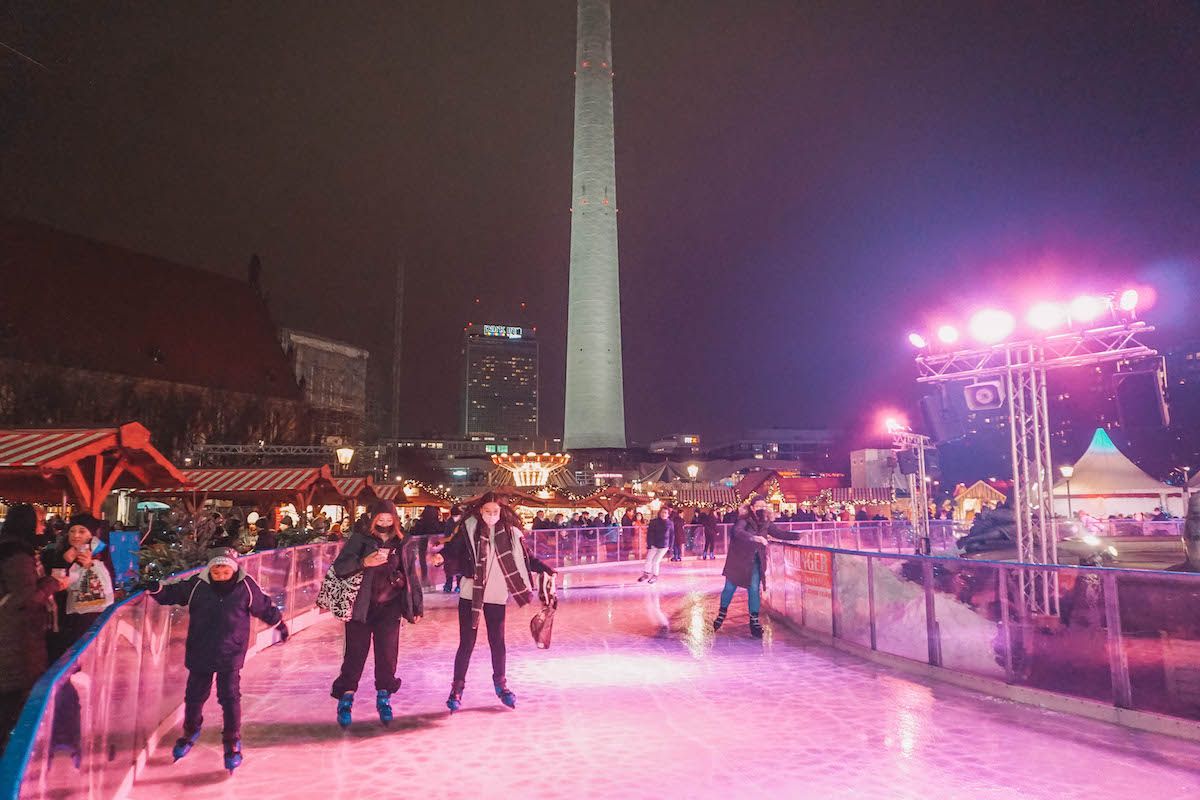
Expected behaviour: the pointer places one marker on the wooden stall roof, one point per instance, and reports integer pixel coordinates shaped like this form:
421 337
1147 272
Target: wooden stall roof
252 484
41 464
719 496
420 497
611 498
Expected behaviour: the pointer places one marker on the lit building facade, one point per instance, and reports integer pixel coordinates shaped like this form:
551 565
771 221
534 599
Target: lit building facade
500 393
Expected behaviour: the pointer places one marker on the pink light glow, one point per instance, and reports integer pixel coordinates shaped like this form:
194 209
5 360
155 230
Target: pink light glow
991 325
947 334
1047 316
917 340
1087 308
1129 299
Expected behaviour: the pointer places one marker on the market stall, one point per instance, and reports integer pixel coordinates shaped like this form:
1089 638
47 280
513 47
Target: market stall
265 487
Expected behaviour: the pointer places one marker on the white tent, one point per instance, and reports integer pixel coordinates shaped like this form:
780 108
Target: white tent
1105 483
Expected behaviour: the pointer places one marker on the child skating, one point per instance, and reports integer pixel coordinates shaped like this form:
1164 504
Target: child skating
220 601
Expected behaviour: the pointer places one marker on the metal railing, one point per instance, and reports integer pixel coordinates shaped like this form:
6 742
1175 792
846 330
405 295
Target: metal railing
1130 638
91 718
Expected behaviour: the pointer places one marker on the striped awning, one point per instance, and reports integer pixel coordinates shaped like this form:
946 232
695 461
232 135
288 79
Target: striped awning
352 487
42 464
47 448
860 497
719 496
253 482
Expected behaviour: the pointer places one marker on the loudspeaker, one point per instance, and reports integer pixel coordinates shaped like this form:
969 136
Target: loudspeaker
944 420
1140 400
984 395
908 462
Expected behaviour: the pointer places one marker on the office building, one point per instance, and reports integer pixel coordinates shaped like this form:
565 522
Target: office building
500 393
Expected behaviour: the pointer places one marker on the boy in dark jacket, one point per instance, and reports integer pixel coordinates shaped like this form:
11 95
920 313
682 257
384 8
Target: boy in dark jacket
221 600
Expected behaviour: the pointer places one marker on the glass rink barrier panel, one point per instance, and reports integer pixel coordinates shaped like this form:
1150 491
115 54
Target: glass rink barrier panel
1127 638
94 717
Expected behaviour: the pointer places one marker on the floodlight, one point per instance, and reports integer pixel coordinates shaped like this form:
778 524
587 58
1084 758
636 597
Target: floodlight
917 340
1047 316
1129 300
991 325
948 334
1087 308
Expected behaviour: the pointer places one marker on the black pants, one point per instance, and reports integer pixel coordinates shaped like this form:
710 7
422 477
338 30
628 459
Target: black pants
11 703
71 628
229 695
382 627
493 618
710 540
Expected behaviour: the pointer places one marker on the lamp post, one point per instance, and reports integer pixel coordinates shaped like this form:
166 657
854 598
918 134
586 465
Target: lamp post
693 471
344 456
1067 471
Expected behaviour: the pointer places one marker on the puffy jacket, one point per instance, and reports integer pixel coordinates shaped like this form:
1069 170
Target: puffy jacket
400 571
658 534
219 625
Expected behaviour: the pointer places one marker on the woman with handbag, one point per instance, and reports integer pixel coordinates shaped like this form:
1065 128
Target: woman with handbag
491 557
380 584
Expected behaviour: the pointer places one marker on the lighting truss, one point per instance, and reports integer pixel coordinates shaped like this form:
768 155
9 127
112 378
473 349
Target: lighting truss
918 486
1022 365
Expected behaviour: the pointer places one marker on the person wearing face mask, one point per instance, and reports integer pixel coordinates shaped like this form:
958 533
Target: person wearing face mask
390 590
84 559
746 561
491 556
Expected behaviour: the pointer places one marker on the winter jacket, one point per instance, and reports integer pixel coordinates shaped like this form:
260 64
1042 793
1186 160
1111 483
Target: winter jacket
739 563
427 527
24 615
266 541
400 572
219 626
658 534
53 559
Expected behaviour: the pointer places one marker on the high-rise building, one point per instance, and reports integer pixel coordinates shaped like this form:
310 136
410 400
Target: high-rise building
595 412
500 395
333 377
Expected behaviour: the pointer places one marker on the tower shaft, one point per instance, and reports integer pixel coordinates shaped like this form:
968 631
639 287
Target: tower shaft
595 412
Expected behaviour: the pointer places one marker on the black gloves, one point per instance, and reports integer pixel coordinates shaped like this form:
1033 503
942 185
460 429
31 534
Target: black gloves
283 631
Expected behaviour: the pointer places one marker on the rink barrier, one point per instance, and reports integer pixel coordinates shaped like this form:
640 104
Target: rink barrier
118 692
1114 644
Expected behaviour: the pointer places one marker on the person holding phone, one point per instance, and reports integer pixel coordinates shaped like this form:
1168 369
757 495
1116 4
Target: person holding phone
84 559
390 590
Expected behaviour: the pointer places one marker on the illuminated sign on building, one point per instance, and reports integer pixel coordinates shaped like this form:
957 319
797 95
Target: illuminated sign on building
506 331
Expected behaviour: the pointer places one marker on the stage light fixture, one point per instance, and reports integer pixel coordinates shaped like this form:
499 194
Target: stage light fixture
917 340
947 334
990 325
1129 300
1087 308
1047 316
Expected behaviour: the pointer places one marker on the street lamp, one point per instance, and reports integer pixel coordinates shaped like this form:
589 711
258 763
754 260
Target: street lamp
693 471
344 456
1067 471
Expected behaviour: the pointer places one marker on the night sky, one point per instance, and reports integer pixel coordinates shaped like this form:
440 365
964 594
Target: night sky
800 183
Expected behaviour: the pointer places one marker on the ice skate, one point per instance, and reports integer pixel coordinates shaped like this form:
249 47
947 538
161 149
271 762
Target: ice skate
756 628
508 698
383 706
343 709
233 754
184 744
720 620
454 701
652 579
645 577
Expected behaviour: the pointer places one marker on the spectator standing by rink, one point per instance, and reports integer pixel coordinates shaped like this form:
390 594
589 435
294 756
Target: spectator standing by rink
25 613
84 559
266 536
746 561
220 601
448 529
709 521
389 590
491 555
429 524
678 535
658 535
639 534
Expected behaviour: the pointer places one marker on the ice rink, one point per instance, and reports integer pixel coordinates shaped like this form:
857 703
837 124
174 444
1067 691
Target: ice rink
639 698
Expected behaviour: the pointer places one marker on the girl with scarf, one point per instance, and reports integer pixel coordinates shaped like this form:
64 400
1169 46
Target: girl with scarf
390 589
490 553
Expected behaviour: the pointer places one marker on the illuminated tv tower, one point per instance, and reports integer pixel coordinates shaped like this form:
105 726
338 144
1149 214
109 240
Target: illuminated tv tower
595 414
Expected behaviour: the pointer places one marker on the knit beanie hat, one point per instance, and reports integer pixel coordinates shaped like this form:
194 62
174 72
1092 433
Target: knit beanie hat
223 560
93 525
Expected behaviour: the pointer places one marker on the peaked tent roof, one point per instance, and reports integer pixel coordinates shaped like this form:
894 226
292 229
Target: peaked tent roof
1104 471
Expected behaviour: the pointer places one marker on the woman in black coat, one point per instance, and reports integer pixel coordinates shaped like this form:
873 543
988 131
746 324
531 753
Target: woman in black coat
658 536
390 590
24 615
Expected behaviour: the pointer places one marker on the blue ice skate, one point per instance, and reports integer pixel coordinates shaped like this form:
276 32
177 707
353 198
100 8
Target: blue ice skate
184 745
383 706
343 709
508 698
233 754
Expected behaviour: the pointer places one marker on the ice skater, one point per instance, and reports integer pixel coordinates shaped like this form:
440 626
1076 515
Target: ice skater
220 601
491 556
746 561
390 589
658 536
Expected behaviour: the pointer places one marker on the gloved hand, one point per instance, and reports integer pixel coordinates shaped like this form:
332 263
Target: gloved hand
153 586
283 631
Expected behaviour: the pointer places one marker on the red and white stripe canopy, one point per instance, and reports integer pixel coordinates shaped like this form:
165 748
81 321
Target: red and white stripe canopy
47 448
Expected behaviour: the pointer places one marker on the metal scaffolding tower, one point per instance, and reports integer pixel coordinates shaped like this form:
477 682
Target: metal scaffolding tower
1022 366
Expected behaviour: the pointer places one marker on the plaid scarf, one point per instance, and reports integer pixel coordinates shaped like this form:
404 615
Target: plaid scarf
508 565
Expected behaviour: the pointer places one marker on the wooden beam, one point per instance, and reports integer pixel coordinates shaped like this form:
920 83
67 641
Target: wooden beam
111 480
79 485
97 483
